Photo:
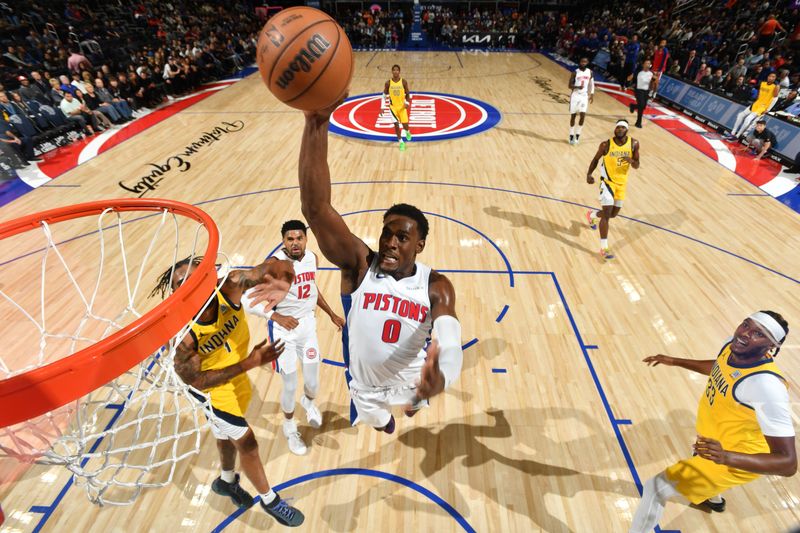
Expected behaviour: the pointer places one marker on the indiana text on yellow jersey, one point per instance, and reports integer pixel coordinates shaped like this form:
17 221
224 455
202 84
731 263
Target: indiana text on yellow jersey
613 166
766 92
721 417
221 343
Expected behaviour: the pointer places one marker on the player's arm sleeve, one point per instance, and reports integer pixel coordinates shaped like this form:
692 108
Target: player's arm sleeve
767 395
258 309
447 331
591 84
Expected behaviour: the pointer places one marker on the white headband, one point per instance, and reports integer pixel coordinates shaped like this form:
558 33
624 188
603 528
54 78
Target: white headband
770 326
623 123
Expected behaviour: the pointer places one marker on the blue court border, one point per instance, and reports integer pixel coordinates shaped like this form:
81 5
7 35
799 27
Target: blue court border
615 422
493 118
435 498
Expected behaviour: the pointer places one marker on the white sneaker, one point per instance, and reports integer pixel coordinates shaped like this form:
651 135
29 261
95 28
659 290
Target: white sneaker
296 444
312 413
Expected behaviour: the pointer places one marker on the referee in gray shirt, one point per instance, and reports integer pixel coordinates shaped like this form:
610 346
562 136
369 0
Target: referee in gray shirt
645 83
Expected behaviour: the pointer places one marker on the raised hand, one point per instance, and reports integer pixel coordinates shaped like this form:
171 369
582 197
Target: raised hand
660 359
271 291
323 115
263 353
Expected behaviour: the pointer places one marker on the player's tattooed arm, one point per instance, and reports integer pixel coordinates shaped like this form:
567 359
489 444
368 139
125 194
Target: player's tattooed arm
188 367
273 275
601 151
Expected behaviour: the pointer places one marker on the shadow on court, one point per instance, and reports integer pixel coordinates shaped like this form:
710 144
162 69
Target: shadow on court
487 457
568 235
531 134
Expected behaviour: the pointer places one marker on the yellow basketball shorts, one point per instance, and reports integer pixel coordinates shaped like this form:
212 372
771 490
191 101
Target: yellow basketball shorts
400 114
699 479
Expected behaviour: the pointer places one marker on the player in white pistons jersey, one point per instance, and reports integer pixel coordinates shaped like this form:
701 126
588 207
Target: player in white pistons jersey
392 303
581 82
294 323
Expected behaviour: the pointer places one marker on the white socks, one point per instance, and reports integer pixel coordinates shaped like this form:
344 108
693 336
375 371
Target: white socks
657 491
228 476
571 131
578 129
268 497
603 243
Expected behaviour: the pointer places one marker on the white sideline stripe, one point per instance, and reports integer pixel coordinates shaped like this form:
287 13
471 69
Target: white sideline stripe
33 177
780 184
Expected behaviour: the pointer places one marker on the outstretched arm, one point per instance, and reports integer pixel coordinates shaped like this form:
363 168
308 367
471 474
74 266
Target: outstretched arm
187 363
335 240
273 274
701 366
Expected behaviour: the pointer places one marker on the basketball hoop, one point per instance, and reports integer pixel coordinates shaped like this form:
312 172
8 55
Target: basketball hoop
114 413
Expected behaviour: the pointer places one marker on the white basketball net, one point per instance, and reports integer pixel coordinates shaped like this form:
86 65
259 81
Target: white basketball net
129 434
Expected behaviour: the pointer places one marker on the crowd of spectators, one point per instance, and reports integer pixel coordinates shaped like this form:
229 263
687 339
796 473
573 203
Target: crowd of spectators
729 48
70 70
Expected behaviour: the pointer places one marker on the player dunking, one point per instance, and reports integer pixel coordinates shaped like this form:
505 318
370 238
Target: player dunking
616 156
213 358
398 100
391 301
581 82
744 422
293 323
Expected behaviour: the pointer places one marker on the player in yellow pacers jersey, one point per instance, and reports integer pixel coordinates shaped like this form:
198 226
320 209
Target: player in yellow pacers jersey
398 100
616 157
213 358
767 96
744 422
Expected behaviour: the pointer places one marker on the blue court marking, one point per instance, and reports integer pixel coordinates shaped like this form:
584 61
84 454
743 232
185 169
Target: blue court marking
623 421
371 58
521 193
58 185
469 344
499 371
502 313
334 363
435 498
462 185
459 59
47 510
509 270
591 347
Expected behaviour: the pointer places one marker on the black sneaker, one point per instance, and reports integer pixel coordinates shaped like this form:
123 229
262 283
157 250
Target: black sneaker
717 507
239 496
284 513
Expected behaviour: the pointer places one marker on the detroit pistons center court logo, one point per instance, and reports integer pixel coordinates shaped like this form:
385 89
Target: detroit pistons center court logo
432 117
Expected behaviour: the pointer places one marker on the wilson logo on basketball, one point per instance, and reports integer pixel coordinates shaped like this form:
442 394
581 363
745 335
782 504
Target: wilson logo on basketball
432 117
315 47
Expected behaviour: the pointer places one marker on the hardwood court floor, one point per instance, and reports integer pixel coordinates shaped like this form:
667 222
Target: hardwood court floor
531 449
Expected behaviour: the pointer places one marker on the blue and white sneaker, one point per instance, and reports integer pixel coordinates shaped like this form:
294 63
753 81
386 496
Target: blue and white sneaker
284 513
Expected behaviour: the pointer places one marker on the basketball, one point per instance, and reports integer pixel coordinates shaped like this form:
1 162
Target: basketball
305 59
